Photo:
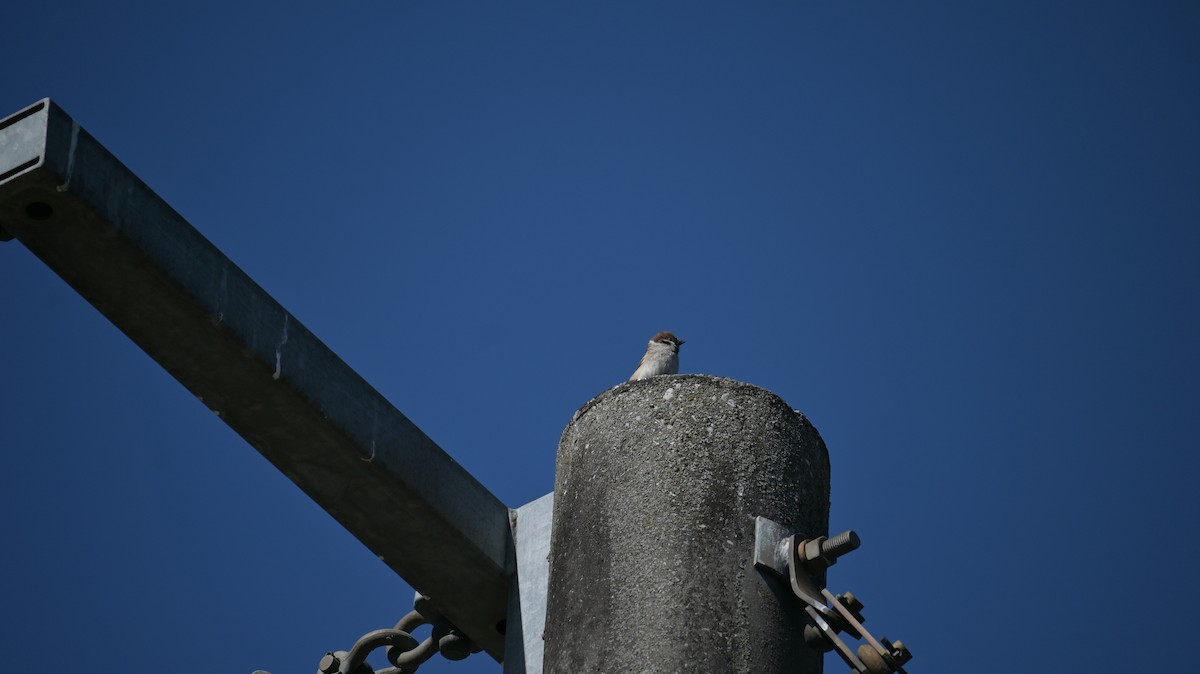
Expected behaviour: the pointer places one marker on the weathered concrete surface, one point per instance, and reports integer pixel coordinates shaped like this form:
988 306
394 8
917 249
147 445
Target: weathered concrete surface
651 566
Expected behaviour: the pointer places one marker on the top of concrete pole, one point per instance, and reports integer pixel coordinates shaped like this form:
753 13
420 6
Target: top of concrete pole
658 485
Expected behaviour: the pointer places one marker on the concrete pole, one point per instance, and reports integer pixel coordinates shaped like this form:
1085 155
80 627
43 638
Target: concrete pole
651 563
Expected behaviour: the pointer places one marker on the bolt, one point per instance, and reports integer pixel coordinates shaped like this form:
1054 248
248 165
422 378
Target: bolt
853 605
879 663
817 639
821 553
454 646
899 651
873 661
329 664
845 542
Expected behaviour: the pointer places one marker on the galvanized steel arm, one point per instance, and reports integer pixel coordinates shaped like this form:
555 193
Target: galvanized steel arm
100 228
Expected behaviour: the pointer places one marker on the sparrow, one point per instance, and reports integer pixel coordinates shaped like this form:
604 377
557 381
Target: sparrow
662 357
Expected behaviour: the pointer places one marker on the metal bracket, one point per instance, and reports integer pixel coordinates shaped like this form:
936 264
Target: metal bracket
802 564
771 546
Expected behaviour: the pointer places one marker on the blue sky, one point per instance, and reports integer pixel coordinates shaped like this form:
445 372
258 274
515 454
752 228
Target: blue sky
962 237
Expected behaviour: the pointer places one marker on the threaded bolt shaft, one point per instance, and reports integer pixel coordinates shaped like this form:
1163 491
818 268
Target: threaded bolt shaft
835 547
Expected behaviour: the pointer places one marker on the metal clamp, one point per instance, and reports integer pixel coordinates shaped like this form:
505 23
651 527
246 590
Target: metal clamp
802 564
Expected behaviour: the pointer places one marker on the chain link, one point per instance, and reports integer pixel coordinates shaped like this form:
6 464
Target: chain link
403 651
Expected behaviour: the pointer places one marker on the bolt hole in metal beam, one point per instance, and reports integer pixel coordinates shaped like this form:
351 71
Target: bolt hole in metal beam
39 210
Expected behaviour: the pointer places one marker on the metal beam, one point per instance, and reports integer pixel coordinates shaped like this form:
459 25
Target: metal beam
115 241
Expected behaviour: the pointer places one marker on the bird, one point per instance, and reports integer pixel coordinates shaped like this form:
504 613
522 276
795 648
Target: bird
662 357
